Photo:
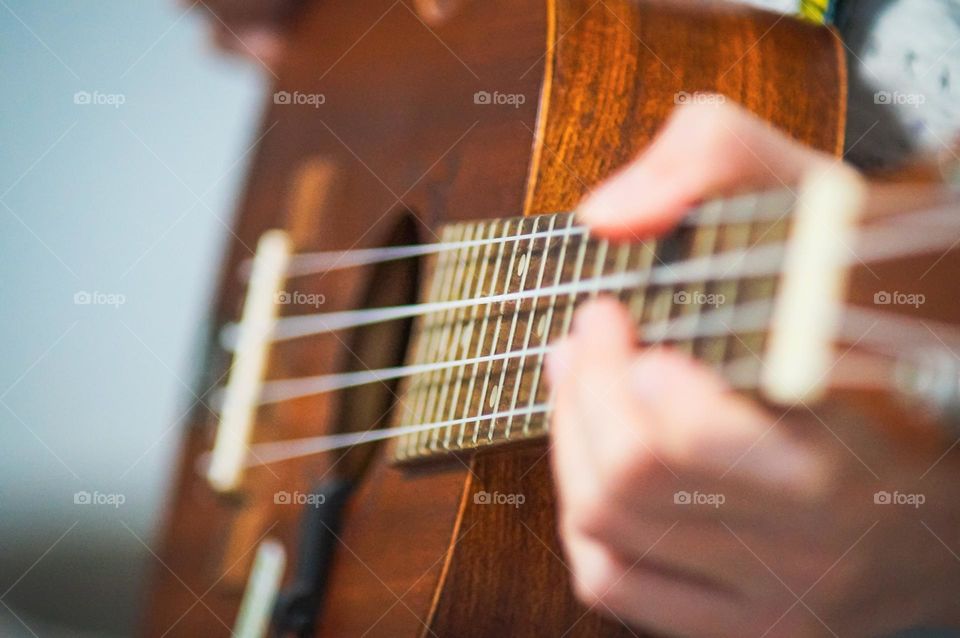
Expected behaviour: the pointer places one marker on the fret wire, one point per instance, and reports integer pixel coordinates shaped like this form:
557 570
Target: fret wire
448 398
576 277
658 298
482 285
599 264
497 389
531 321
621 263
459 395
739 347
418 350
433 341
763 232
446 319
458 319
494 281
732 237
636 303
548 321
523 271
703 243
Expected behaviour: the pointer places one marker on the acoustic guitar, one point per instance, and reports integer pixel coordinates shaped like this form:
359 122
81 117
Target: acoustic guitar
368 452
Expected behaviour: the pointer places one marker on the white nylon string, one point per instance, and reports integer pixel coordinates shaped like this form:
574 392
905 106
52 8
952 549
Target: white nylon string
273 452
877 243
763 260
855 370
896 335
741 374
752 207
745 317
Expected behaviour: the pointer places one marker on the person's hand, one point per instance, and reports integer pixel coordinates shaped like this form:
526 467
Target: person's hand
687 509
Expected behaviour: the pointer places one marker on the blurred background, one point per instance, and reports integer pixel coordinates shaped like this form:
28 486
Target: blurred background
124 140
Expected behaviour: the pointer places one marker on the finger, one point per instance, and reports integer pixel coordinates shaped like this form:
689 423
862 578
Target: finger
703 551
571 449
604 341
709 430
597 447
637 594
705 150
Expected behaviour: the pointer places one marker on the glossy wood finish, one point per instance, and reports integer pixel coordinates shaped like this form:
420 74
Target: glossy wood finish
401 133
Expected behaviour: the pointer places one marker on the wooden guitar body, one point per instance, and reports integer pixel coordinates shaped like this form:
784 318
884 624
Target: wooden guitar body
502 107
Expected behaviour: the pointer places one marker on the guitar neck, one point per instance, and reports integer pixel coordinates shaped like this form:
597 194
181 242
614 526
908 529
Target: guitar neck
483 382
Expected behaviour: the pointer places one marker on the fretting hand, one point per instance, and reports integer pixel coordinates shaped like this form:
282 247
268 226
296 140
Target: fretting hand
689 510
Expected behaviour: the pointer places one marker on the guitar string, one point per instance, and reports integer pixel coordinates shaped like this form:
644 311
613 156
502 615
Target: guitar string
859 370
764 260
877 243
325 261
881 248
742 318
735 210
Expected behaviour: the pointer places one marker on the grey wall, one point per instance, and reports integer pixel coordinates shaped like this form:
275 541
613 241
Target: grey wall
125 205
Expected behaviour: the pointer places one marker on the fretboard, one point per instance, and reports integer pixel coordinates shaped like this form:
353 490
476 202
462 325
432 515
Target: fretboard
489 387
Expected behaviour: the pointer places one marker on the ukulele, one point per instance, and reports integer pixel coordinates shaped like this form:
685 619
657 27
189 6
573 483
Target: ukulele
368 453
